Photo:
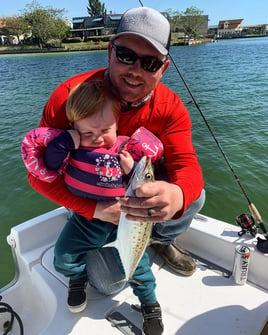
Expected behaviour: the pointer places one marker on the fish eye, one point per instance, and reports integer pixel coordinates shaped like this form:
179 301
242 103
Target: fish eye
148 176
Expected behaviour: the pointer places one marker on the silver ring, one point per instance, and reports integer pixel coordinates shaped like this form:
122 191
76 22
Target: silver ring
149 212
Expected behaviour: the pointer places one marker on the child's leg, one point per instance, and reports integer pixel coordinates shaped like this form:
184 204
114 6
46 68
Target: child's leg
77 238
145 276
150 308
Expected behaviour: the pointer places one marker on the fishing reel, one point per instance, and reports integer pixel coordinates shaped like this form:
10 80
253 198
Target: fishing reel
247 223
249 226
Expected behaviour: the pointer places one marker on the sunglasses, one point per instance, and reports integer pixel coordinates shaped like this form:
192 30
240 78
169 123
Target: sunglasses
129 57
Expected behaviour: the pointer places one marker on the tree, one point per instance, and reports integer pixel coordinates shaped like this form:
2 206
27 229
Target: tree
95 8
46 23
15 25
191 20
174 19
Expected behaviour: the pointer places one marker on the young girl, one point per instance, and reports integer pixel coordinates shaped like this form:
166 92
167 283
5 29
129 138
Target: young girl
99 161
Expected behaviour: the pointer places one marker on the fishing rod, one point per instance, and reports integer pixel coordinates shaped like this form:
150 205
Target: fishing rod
245 224
255 213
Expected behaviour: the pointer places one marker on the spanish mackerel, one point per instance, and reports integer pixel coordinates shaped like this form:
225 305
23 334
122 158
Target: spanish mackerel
133 236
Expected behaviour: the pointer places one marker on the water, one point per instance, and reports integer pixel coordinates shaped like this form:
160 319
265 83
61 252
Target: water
229 81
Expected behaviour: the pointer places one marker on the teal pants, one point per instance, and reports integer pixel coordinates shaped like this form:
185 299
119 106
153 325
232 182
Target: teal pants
81 239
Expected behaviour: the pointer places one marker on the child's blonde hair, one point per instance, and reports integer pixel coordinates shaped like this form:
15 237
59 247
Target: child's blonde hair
88 98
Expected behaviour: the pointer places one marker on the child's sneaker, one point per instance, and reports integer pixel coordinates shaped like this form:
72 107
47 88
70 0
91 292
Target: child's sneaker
77 299
152 319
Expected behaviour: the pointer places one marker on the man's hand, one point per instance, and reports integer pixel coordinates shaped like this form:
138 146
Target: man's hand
162 198
108 211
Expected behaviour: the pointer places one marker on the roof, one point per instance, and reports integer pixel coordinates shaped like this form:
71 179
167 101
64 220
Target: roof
115 17
87 29
78 20
255 25
97 19
232 24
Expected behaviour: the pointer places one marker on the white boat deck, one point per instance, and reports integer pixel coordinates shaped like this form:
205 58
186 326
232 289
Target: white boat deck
207 303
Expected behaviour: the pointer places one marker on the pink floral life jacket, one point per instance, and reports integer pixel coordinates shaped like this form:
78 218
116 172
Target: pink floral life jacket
32 148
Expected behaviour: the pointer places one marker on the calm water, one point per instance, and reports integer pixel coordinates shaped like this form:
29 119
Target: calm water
229 81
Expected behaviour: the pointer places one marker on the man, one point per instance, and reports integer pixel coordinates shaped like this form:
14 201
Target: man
137 62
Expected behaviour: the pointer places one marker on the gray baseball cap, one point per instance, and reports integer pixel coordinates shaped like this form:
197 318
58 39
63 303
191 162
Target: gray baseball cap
147 23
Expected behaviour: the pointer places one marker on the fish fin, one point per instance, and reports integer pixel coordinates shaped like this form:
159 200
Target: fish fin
131 280
110 245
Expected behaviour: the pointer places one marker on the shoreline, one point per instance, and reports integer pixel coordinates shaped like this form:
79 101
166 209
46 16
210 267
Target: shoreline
48 50
13 50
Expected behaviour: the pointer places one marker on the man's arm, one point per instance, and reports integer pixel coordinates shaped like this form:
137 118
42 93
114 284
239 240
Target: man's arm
181 160
54 116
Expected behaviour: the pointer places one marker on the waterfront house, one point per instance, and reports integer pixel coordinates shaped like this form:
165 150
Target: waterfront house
203 29
89 26
6 39
255 30
229 28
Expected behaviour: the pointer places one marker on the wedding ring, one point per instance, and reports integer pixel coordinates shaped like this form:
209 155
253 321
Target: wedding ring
149 212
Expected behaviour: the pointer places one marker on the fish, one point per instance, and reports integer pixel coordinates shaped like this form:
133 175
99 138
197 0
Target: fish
133 236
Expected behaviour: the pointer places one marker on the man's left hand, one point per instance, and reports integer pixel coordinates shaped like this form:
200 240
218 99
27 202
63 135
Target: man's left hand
154 202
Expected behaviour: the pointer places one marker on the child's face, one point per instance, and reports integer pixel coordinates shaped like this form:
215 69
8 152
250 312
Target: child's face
98 130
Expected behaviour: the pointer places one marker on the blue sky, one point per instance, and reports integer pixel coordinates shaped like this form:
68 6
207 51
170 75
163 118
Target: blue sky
253 12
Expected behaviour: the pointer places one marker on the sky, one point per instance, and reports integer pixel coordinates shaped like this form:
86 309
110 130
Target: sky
253 12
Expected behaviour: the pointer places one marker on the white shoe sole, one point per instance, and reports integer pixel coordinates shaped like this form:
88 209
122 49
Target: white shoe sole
78 309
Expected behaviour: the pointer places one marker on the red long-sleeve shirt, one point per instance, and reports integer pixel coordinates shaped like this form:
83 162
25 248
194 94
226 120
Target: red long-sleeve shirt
163 114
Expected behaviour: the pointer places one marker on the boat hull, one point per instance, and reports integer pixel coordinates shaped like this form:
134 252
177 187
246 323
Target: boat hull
208 302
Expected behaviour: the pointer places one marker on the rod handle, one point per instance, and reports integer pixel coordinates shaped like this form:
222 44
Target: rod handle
258 218
255 212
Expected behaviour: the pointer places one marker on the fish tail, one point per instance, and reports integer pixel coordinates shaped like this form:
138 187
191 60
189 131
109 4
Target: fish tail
124 280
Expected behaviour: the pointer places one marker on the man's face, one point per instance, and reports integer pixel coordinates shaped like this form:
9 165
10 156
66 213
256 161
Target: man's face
132 82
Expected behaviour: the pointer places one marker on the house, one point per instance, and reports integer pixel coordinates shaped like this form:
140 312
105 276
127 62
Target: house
8 39
229 28
88 26
68 22
203 29
255 29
